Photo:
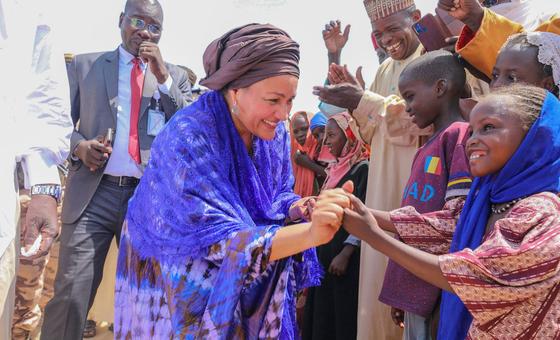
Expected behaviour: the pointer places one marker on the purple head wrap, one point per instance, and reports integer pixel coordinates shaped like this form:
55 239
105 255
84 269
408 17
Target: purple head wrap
248 54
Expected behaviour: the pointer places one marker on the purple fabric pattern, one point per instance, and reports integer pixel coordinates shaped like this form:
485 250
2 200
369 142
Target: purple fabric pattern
234 292
201 184
194 255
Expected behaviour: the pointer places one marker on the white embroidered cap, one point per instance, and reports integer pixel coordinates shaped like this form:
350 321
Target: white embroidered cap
377 9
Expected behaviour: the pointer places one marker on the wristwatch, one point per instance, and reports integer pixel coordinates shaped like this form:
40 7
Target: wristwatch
53 190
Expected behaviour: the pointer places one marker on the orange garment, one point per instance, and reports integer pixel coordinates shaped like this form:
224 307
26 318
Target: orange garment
481 48
304 177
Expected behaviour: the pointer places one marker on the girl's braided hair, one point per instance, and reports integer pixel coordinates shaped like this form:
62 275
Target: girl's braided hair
525 101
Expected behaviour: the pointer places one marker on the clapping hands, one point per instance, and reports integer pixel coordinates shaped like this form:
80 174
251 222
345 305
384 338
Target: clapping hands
340 74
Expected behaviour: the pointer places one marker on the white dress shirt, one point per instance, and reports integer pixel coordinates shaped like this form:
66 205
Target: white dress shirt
120 163
34 105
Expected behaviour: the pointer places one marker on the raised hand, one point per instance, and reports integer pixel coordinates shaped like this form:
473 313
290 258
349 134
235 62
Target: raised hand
336 74
334 38
360 77
470 12
340 74
150 53
344 95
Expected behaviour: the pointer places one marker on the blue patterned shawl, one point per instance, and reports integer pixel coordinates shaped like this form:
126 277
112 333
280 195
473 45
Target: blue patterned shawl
533 168
201 185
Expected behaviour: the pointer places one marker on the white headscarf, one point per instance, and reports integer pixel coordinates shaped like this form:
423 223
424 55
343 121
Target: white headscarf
549 51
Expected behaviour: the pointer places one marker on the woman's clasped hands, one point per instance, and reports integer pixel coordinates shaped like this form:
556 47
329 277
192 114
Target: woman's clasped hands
328 213
338 207
359 221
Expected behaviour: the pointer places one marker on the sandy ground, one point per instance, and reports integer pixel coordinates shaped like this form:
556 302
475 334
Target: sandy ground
103 333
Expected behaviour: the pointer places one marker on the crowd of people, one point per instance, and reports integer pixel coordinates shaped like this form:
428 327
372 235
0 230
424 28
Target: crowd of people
423 207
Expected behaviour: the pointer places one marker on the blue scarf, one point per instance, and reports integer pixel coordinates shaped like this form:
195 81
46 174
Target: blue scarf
319 119
201 185
533 168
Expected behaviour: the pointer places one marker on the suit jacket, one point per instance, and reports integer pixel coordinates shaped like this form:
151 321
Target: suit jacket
94 98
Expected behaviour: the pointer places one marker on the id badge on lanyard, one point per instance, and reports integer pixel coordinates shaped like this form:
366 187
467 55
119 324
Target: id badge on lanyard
156 117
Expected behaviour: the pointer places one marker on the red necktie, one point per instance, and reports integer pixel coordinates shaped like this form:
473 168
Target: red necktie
136 83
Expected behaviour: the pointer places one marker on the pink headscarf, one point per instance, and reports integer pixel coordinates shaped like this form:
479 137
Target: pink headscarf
354 150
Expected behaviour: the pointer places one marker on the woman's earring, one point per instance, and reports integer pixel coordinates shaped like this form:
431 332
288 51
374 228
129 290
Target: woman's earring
235 108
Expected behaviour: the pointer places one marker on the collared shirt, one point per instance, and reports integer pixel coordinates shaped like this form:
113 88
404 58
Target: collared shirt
120 163
35 110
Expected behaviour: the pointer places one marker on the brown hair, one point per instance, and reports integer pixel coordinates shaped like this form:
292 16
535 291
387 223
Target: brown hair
525 101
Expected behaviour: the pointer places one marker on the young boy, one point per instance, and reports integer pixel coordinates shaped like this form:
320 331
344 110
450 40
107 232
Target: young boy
431 86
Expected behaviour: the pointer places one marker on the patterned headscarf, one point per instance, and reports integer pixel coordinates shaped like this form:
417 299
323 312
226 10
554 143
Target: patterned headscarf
353 152
248 54
325 156
533 168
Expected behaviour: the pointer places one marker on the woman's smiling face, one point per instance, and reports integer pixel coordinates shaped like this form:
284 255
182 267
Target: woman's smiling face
264 105
335 139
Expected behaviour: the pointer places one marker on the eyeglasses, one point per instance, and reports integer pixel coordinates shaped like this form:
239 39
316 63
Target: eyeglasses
140 24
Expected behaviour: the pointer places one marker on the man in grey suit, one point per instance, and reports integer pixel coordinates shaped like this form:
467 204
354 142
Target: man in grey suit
133 92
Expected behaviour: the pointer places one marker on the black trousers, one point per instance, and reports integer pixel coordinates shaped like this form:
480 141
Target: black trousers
83 248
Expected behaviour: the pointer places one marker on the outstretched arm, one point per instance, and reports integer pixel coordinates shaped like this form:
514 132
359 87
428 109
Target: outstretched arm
335 39
359 222
383 219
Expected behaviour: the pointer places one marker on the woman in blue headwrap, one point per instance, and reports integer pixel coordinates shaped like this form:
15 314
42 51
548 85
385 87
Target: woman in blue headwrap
317 126
324 157
203 254
502 277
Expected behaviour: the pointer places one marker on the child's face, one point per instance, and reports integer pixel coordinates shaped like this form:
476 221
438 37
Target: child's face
335 139
319 133
496 135
517 64
420 99
300 126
